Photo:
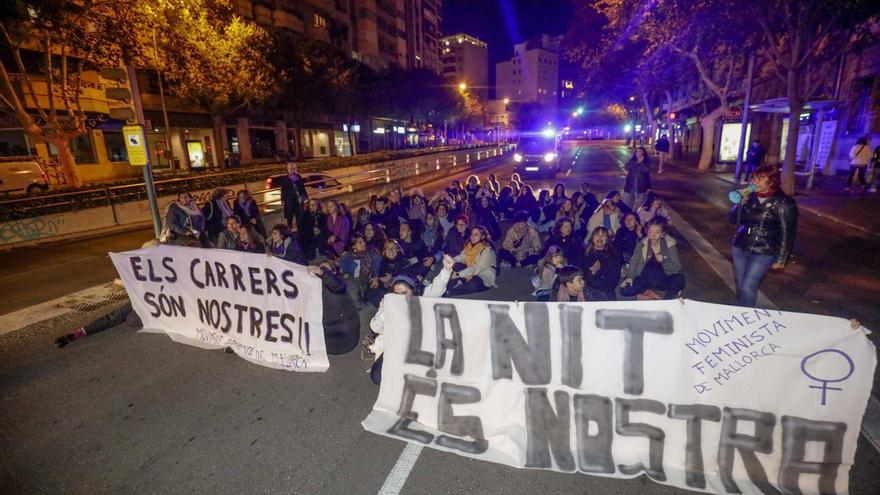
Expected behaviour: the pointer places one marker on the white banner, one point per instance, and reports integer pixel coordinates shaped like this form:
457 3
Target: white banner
266 309
701 396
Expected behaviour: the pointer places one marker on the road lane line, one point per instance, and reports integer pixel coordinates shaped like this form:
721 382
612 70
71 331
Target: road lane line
400 472
724 269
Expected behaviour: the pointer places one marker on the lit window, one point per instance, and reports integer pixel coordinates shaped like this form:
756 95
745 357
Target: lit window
320 21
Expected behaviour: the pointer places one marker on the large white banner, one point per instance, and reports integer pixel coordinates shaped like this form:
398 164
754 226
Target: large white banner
265 309
701 396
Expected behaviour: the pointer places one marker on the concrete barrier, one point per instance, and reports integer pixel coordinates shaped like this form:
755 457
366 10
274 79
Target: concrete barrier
358 184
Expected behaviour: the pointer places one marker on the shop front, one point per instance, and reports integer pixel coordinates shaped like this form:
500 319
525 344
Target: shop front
191 147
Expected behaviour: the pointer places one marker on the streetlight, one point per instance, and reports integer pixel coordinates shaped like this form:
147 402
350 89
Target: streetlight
506 101
632 98
462 86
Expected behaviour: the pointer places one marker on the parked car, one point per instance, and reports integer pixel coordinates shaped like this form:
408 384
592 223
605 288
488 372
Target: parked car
25 175
317 185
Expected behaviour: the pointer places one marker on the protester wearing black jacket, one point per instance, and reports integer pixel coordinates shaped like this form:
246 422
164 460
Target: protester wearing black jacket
293 194
340 321
766 226
248 212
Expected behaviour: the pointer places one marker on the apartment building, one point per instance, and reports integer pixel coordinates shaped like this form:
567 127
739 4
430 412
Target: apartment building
466 60
423 18
532 74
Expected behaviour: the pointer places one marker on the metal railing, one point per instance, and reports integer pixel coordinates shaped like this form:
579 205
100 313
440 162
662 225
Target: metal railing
393 170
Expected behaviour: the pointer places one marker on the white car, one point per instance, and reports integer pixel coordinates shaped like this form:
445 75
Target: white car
22 175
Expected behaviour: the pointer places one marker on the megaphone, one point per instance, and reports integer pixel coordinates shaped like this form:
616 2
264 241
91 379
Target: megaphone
736 196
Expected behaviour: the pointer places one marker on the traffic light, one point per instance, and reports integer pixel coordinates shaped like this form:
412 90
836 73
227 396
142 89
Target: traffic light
119 98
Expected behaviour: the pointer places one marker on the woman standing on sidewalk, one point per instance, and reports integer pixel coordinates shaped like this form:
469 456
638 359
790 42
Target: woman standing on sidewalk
767 224
859 157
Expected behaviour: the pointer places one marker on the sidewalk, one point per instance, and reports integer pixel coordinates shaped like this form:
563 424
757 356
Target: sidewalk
827 199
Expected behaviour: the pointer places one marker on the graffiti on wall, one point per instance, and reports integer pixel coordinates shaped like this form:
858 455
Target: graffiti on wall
29 229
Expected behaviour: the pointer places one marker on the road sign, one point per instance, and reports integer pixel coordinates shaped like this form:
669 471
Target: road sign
135 144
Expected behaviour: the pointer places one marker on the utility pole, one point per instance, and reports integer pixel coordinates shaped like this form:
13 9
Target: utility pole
148 169
745 118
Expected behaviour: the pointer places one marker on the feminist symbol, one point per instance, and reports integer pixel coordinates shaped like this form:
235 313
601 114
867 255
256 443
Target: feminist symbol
825 381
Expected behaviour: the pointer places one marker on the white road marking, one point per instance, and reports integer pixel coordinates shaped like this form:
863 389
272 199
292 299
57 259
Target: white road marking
724 269
400 472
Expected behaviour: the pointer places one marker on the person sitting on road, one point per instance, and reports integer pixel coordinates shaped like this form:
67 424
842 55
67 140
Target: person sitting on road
558 195
564 237
338 228
616 199
432 235
456 238
405 286
653 208
311 228
516 179
249 240
393 264
568 286
522 243
627 236
545 274
443 216
589 197
375 237
606 216
543 217
504 207
601 266
492 185
216 211
340 319
566 209
655 266
472 186
248 211
483 214
285 244
416 213
526 201
475 265
397 203
385 218
359 265
184 223
362 218
416 252
228 239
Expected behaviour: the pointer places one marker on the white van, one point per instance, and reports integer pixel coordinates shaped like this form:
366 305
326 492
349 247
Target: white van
22 175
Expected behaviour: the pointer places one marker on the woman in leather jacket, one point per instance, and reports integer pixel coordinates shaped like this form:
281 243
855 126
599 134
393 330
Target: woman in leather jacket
766 226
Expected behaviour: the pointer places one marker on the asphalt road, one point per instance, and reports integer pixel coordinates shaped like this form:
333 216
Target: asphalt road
127 412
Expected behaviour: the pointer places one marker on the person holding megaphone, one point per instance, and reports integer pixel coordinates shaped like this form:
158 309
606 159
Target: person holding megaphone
766 220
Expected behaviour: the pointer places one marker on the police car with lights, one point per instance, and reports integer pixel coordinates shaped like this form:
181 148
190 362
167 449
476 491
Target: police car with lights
537 154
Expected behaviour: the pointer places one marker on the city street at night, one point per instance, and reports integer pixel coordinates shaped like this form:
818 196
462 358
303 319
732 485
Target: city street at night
130 412
468 247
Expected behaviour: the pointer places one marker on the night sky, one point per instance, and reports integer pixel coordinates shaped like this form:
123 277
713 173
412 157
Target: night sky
501 23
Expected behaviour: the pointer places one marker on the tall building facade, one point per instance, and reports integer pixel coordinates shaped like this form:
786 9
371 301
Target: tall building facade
466 60
423 18
532 74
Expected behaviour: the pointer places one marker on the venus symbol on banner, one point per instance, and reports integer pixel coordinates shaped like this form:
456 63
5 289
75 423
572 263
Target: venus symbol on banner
826 381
